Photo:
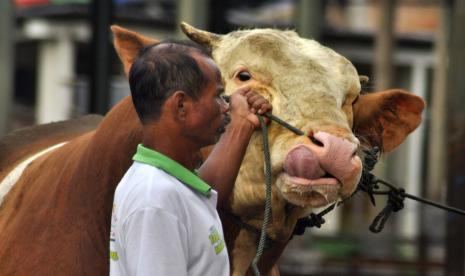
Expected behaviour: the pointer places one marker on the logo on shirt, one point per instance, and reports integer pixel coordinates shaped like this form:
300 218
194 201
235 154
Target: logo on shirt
216 240
114 256
114 219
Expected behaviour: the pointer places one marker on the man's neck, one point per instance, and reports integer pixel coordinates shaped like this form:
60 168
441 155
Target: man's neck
161 139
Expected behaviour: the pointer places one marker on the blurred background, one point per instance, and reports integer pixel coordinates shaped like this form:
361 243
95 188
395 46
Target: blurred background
57 62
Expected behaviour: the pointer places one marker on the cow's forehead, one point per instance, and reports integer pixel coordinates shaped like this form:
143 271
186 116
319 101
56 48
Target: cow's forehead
287 60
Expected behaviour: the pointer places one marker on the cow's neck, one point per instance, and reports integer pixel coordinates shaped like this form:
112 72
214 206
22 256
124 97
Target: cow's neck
248 198
247 202
111 148
103 159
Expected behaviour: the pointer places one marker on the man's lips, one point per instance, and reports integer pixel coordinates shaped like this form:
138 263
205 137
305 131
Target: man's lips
226 119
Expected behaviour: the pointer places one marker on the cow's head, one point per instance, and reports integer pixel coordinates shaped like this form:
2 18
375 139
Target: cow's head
313 88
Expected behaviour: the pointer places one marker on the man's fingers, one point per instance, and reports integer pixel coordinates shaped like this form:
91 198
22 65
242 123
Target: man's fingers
244 90
265 108
250 93
252 98
259 104
254 120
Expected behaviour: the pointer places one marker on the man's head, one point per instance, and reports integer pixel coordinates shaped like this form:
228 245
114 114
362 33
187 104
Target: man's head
159 71
180 79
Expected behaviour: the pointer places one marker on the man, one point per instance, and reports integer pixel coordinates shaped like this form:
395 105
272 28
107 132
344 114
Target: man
164 216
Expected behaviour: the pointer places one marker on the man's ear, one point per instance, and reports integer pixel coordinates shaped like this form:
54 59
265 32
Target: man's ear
128 45
179 104
384 119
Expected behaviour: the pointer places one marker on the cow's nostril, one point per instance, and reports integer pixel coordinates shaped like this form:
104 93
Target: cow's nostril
316 142
328 175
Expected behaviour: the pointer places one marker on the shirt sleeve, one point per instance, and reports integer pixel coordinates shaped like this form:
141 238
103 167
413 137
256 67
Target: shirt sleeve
156 243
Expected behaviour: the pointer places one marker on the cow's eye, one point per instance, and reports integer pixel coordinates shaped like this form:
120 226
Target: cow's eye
243 76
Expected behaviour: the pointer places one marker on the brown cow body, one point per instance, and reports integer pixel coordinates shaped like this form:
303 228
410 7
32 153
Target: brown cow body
55 220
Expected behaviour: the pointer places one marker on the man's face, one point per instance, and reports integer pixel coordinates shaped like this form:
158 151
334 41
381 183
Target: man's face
209 117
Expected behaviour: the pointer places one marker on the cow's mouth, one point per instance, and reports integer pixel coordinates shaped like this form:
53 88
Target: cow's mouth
309 192
305 181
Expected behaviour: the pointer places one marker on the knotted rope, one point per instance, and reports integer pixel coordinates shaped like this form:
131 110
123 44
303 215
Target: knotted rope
368 184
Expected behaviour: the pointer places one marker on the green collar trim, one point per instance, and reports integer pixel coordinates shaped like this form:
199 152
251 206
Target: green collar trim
156 159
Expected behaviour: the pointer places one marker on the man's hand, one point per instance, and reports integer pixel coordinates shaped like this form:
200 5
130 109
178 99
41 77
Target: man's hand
245 104
221 167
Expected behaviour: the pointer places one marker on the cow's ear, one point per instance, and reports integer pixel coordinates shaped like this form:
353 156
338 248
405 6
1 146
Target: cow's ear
128 44
384 119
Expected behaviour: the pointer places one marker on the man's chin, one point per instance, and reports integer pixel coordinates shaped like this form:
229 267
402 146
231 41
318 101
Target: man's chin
222 128
219 132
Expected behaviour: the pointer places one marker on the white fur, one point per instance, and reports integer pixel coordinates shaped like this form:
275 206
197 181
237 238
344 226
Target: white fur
10 180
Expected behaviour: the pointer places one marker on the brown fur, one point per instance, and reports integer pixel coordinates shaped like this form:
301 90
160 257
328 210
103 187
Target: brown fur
60 225
22 143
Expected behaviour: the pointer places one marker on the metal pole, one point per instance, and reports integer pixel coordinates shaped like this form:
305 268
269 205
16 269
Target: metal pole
436 179
455 251
7 65
55 74
309 18
384 44
192 12
436 175
102 11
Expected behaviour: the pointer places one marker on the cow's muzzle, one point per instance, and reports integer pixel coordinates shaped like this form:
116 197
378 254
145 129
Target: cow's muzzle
320 172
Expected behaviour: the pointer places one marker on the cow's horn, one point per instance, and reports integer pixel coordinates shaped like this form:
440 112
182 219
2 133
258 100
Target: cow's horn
364 79
204 38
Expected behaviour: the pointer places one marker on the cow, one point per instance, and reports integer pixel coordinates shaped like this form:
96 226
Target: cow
55 220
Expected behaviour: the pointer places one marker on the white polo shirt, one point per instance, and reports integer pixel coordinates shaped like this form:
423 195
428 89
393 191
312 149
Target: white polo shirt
165 221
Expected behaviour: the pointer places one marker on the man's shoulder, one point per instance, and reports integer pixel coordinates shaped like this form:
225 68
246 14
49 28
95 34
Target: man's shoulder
145 186
148 176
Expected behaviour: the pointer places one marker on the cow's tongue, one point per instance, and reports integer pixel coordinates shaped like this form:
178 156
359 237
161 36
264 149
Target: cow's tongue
301 162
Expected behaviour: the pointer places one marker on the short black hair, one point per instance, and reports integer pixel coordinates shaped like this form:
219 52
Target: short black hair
161 69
